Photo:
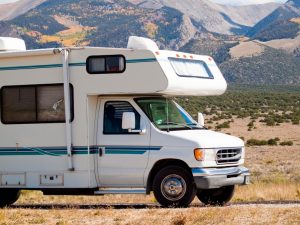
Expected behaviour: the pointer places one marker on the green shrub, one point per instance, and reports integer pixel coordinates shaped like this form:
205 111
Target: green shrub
286 143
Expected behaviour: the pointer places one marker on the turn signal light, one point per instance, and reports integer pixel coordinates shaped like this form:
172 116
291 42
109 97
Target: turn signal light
199 154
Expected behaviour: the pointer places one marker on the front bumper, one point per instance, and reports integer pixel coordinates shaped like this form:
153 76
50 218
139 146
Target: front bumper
209 178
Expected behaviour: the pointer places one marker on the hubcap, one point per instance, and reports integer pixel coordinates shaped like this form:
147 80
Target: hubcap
173 187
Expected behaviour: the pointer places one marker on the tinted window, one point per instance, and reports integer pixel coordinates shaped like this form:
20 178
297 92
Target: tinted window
33 104
113 112
105 64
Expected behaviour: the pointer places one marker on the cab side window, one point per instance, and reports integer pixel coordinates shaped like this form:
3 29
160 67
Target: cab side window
113 112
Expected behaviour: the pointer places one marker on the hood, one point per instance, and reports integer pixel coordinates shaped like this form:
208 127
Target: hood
208 139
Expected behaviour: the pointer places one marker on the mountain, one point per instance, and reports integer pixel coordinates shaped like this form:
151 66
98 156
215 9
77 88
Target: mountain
281 23
101 23
215 17
269 66
11 10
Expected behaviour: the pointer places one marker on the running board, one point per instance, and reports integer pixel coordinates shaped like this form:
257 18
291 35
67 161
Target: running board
106 191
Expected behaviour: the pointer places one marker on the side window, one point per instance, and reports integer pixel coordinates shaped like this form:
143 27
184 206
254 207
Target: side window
113 112
33 104
105 64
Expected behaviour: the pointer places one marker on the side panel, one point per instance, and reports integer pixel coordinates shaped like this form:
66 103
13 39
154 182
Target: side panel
39 150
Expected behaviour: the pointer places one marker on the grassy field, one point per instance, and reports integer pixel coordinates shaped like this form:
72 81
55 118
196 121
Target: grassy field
275 173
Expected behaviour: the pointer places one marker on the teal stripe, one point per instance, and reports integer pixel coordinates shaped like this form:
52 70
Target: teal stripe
79 64
78 150
31 67
122 152
141 60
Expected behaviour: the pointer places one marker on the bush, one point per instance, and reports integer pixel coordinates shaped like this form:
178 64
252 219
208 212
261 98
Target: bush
255 142
272 142
286 143
223 125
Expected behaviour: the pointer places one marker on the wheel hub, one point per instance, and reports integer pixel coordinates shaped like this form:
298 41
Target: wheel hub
173 187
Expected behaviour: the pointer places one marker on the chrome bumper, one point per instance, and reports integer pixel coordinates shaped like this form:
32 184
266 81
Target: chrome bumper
209 178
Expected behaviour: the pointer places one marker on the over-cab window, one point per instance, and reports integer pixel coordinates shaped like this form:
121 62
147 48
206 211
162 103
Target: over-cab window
105 64
190 68
34 104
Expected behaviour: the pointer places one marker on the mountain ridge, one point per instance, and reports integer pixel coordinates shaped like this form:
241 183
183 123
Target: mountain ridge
215 17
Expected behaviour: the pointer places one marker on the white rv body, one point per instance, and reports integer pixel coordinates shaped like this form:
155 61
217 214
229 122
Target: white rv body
36 156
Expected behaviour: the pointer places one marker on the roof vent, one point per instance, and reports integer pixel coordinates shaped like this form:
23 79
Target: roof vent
12 44
135 42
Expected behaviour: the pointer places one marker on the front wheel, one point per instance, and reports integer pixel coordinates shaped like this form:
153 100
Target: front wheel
8 196
219 196
173 186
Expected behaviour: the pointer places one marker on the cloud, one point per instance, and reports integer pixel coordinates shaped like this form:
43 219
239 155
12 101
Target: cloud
246 2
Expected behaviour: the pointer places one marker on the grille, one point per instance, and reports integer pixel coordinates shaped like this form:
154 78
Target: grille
229 155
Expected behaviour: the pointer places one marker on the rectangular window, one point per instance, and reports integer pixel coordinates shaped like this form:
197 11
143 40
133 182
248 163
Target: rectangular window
113 112
190 68
34 104
105 64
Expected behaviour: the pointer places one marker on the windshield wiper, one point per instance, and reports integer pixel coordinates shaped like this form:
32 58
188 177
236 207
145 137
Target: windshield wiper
179 124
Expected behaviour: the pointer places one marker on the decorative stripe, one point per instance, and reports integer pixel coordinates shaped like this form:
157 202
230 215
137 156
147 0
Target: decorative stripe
78 150
79 64
141 60
129 150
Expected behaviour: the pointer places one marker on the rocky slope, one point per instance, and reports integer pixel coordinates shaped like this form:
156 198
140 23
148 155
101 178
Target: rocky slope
215 17
281 23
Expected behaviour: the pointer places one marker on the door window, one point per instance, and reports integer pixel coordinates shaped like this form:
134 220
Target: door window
113 112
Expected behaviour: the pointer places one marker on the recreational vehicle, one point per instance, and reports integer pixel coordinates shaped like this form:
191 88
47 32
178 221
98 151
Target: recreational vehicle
96 121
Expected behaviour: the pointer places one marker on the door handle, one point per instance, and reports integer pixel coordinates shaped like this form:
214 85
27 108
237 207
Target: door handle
101 151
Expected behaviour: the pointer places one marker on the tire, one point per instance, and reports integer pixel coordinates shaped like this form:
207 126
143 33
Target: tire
8 197
173 186
216 197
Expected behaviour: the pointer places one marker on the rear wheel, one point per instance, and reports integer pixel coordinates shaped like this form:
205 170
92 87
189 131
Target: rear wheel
173 186
9 196
219 196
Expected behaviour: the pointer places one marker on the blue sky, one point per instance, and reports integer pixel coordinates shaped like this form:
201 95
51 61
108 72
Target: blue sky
230 2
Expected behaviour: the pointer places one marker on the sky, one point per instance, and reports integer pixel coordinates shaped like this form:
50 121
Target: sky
7 1
226 2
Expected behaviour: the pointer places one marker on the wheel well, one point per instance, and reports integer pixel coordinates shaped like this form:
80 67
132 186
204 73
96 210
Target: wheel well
161 164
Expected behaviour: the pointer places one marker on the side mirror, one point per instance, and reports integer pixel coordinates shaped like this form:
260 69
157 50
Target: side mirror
200 119
128 120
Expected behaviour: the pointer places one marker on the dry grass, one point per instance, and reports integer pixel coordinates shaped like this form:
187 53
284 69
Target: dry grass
73 36
246 49
265 214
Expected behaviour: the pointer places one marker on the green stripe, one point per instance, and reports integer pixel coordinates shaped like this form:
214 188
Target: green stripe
122 152
79 64
141 60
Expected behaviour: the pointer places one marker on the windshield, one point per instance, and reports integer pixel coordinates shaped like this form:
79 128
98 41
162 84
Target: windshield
167 114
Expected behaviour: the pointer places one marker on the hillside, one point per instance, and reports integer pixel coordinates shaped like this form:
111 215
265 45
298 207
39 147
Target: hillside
271 66
101 23
282 23
214 17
